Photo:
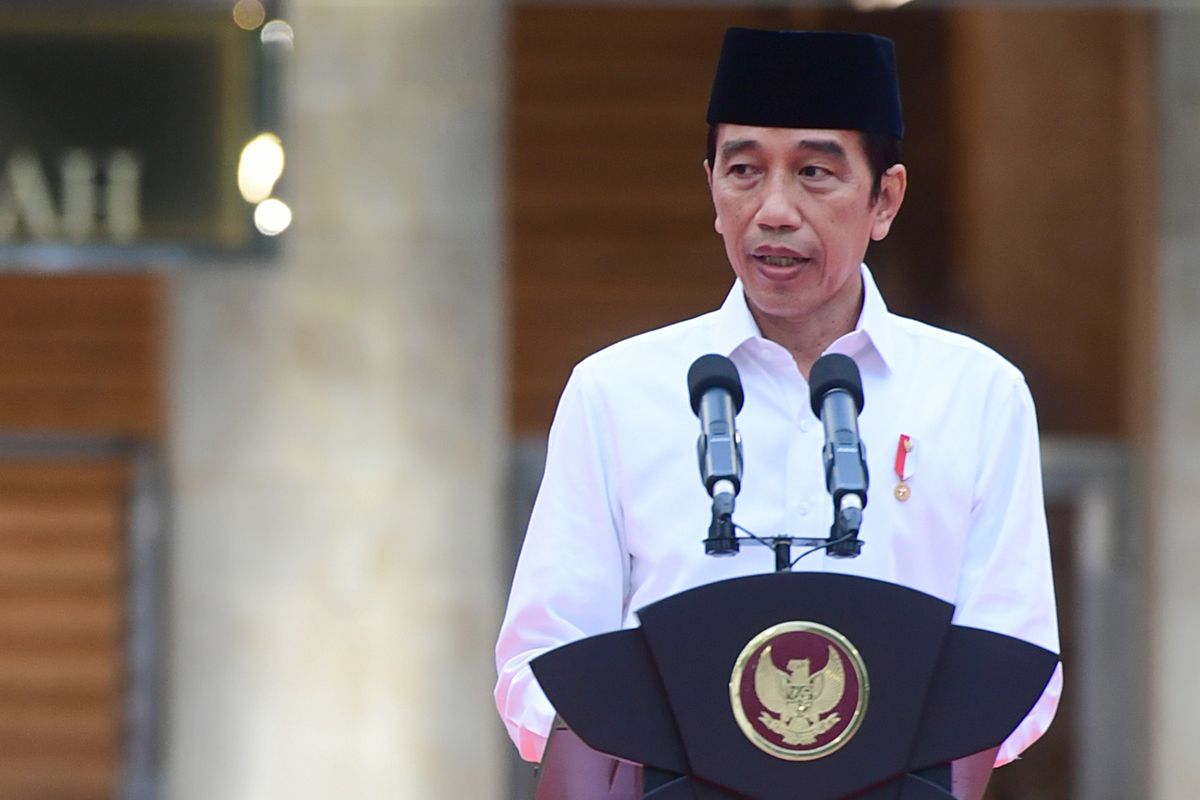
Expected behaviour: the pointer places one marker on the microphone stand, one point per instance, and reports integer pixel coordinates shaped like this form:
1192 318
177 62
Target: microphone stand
782 545
722 538
843 534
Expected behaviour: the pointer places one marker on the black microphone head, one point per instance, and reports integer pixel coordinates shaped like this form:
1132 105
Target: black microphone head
834 371
714 372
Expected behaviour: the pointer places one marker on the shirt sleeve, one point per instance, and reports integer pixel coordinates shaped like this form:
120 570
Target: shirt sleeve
572 574
1006 584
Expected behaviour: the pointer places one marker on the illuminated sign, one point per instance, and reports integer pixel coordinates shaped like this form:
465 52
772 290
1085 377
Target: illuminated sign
121 132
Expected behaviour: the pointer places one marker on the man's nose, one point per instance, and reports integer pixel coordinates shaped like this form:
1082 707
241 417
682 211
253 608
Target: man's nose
779 209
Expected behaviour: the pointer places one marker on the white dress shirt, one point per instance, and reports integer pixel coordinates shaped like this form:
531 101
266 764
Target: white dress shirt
621 513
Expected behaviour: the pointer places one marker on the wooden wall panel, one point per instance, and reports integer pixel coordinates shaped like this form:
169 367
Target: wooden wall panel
62 577
1054 159
81 354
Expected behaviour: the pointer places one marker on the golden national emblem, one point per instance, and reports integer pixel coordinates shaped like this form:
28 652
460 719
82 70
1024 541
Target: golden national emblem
799 690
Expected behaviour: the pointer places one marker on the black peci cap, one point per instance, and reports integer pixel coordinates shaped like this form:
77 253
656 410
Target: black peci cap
806 79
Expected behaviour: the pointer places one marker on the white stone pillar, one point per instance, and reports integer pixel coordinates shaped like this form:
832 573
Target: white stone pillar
337 432
1175 550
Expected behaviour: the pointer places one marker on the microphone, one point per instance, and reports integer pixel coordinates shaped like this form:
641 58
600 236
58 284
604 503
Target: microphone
837 399
715 389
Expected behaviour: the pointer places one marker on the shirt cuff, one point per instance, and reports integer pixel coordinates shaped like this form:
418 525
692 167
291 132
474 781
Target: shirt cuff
1036 721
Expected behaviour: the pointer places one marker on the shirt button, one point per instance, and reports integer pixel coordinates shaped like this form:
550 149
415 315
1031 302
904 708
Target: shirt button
804 509
804 426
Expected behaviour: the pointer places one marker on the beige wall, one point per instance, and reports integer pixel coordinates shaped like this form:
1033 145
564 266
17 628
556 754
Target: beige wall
336 427
1174 455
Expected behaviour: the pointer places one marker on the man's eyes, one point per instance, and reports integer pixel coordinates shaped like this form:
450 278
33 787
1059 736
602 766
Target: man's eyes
743 170
814 171
751 170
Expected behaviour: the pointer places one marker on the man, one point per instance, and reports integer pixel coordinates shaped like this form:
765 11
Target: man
803 171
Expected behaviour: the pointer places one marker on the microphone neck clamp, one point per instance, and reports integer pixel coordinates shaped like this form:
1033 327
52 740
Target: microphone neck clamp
722 537
843 535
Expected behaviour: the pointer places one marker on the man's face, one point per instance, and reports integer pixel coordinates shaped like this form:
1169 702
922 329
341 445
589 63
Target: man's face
795 209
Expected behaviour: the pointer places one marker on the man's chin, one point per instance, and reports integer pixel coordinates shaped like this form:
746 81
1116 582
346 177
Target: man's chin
778 305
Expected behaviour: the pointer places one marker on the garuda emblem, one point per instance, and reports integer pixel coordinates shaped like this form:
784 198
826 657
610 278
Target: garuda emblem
798 703
799 690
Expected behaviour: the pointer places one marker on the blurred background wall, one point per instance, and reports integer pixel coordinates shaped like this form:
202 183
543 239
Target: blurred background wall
260 494
337 434
1172 458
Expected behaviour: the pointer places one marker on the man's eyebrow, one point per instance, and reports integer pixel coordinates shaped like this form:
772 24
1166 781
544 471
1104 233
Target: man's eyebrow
830 147
827 146
735 146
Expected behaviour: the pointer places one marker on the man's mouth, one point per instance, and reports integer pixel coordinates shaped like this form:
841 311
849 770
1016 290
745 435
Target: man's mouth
780 261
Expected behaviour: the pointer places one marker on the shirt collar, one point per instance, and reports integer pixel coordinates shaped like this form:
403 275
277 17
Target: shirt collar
871 341
734 324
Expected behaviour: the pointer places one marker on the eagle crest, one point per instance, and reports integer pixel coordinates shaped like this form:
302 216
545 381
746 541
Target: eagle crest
797 700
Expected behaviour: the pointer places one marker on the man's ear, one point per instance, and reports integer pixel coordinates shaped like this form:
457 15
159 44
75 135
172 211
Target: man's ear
708 176
892 186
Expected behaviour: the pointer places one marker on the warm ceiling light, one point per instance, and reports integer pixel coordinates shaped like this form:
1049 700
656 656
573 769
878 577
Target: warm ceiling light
260 166
278 33
249 14
272 217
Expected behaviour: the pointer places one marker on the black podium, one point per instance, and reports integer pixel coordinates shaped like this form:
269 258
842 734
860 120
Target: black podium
796 686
